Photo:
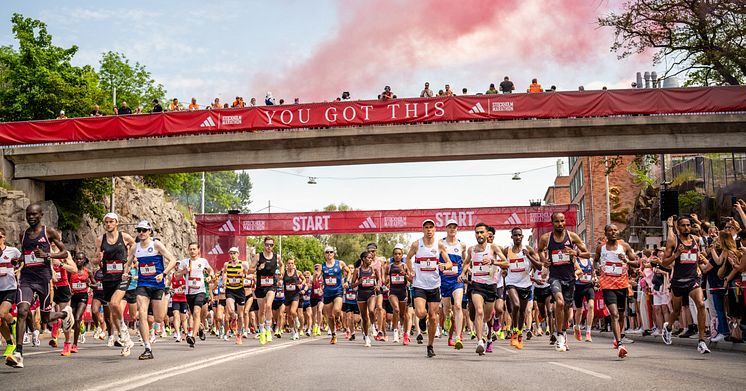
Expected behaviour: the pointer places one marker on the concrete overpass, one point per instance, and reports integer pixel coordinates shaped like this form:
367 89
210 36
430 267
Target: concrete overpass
379 144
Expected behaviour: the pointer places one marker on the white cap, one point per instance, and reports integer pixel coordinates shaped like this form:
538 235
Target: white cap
399 246
328 248
428 221
233 250
451 221
144 224
111 215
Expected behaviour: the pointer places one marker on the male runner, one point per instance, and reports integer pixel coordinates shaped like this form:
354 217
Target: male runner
481 260
563 247
451 289
264 265
380 314
499 320
112 249
334 273
614 259
154 262
518 281
61 269
8 287
422 261
684 253
584 289
235 298
36 275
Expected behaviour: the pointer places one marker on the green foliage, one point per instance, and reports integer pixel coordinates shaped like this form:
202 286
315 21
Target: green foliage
224 190
640 169
75 198
683 177
690 201
133 83
37 80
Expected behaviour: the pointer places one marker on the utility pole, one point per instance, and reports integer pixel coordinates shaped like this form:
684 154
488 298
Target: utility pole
202 206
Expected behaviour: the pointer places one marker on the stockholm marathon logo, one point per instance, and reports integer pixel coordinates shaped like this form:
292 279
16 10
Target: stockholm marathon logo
494 106
225 120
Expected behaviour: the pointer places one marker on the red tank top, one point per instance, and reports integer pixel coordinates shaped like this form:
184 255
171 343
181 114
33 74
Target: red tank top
61 274
179 289
79 281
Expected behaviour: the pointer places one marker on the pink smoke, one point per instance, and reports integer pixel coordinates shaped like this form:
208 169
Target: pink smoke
380 40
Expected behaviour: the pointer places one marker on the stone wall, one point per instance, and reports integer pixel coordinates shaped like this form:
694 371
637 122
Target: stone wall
13 205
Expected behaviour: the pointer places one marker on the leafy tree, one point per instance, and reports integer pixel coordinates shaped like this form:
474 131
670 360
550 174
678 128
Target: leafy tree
75 198
37 80
706 39
690 201
224 190
133 83
305 249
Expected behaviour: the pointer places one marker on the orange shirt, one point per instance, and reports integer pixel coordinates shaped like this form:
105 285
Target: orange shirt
535 87
613 270
193 106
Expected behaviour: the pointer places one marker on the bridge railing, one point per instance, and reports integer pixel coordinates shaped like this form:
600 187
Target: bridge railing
575 104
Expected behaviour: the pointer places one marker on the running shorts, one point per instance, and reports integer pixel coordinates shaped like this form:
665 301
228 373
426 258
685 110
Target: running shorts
430 295
196 300
150 292
583 291
62 294
237 295
486 291
27 290
566 288
616 297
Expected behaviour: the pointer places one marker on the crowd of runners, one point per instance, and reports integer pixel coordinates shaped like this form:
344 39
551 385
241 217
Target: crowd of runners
478 293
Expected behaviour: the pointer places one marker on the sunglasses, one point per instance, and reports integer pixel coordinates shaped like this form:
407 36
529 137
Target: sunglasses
269 244
328 252
141 230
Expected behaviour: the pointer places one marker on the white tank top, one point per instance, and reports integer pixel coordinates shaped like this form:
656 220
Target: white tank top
519 270
483 274
610 263
538 277
425 266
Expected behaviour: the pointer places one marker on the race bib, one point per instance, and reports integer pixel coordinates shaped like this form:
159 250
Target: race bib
351 296
318 291
114 267
235 280
688 257
266 281
428 266
57 275
369 282
79 286
453 271
330 280
518 265
290 287
30 259
147 269
397 279
613 269
6 270
246 283
280 295
306 297
99 286
586 278
179 290
195 283
559 258
481 270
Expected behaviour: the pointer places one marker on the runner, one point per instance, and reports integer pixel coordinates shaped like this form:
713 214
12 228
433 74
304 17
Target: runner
544 300
113 248
334 272
451 289
480 261
683 252
366 281
264 265
306 305
293 281
98 304
249 282
36 275
584 289
317 298
154 262
563 248
8 286
79 281
518 281
194 268
235 298
614 259
422 260
61 297
396 275
350 307
379 318
278 305
179 307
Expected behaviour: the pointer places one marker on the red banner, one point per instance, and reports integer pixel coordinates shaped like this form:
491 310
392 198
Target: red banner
400 111
218 232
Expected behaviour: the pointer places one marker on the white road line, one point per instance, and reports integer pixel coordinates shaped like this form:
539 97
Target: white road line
44 352
587 372
142 380
506 349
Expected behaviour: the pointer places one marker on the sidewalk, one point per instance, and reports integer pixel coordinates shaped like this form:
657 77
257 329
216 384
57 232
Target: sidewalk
676 341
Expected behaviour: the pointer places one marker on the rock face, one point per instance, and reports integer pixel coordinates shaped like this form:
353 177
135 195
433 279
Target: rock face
13 205
134 202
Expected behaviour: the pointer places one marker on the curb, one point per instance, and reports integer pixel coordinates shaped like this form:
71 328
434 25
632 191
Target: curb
685 342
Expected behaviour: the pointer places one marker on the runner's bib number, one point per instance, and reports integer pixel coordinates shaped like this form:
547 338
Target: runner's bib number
688 257
518 265
369 282
481 270
290 288
179 290
586 278
235 280
6 270
330 280
57 276
559 258
266 281
453 271
613 269
99 286
397 279
79 286
280 295
114 267
428 266
351 296
318 292
195 283
147 269
30 259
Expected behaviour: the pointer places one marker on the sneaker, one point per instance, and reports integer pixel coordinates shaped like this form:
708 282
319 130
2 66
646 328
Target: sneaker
190 341
177 338
480 348
656 333
513 339
473 335
35 338
14 360
74 349
66 347
717 338
622 351
146 355
450 342
110 341
430 351
26 339
68 321
53 342
419 339
118 343
9 350
127 348
702 347
81 339
352 337
447 323
576 331
201 334
238 339
530 334
405 340
458 345
560 346
588 337
553 340
627 340
489 347
379 336
666 334
263 338
269 336
688 333
396 335
519 342
333 341
367 341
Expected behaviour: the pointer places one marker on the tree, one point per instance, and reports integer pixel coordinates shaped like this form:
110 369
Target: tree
306 250
133 83
224 190
705 38
37 80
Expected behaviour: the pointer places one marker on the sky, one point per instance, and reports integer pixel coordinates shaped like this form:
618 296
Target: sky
314 50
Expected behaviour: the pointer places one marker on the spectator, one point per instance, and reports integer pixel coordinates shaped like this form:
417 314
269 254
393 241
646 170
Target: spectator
157 108
236 103
604 88
296 101
441 93
492 89
252 102
345 95
507 87
193 106
174 105
138 110
115 110
387 94
282 101
216 103
426 92
552 89
96 112
268 99
62 115
124 110
225 106
463 91
535 86
581 88
448 91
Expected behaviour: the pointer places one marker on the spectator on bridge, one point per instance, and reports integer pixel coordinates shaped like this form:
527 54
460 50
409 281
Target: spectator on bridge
345 95
387 94
216 103
552 89
238 103
581 88
193 106
492 89
441 93
174 105
96 112
115 110
138 110
464 91
448 91
62 115
252 102
506 86
269 100
296 101
124 110
157 108
225 106
535 86
426 92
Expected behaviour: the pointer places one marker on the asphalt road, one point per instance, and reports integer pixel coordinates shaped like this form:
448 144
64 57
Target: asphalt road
313 364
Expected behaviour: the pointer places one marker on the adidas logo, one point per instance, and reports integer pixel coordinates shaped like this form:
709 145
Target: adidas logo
217 250
513 220
207 123
227 227
367 223
477 109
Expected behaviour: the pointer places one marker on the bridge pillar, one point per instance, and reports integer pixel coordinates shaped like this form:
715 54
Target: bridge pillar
34 189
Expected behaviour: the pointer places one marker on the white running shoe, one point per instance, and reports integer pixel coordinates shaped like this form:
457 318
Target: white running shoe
81 339
153 339
26 340
627 341
719 337
656 333
702 347
367 341
396 335
561 346
110 341
666 334
35 338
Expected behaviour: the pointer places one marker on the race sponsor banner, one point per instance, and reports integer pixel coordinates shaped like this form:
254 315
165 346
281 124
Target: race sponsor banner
397 111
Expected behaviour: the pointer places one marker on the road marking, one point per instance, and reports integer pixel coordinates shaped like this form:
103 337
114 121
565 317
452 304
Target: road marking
506 349
142 380
45 352
587 372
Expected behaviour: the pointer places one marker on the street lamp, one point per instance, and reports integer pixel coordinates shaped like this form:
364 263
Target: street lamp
517 176
311 180
633 239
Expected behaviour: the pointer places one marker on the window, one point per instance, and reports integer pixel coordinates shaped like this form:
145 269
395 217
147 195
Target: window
571 161
581 210
583 236
576 183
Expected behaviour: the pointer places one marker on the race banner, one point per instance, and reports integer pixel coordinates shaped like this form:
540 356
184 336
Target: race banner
573 104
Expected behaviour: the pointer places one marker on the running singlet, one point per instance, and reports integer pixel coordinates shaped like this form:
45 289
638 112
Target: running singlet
587 269
613 271
685 266
539 278
79 281
7 272
482 274
60 273
98 276
233 276
317 291
396 277
149 265
426 266
332 279
305 294
195 274
280 292
178 286
519 269
291 283
351 296
367 280
112 263
454 253
35 269
560 267
266 276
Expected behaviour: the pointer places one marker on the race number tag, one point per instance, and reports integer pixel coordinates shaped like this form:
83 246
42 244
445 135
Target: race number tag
266 281
114 267
30 259
428 265
688 257
318 292
57 276
369 282
280 295
350 296
195 283
147 269
99 286
559 258
518 265
586 278
235 280
481 270
179 290
6 270
330 280
613 269
453 271
397 279
290 288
